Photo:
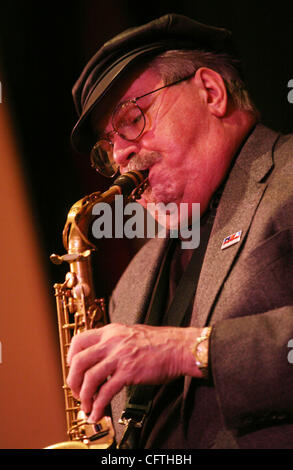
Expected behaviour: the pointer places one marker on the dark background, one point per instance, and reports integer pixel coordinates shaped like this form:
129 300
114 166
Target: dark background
43 48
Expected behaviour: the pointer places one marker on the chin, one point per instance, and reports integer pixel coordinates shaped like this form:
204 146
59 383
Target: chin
163 193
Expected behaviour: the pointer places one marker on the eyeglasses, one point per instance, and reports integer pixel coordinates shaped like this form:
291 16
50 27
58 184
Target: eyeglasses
128 121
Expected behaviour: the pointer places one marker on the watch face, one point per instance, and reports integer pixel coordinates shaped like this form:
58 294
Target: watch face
202 352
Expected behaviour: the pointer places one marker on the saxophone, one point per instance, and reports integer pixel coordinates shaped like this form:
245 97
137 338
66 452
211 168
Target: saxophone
79 310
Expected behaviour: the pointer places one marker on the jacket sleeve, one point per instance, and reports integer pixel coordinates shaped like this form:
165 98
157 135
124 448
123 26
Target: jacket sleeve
252 374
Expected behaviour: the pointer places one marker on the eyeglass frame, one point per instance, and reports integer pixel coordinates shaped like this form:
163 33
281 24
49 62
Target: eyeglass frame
106 138
134 101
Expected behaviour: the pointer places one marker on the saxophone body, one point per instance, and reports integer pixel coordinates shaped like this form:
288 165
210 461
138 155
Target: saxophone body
79 310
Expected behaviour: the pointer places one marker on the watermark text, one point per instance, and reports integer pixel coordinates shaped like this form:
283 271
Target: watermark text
290 353
131 221
290 94
148 458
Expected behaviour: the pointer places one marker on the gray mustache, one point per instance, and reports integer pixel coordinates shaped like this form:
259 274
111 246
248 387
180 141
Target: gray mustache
143 160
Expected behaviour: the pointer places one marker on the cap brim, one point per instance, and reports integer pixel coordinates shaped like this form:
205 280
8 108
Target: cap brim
82 136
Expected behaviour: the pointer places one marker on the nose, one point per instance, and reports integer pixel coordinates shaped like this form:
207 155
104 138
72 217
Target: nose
123 150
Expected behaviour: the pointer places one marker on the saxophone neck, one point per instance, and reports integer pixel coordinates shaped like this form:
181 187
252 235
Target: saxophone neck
75 234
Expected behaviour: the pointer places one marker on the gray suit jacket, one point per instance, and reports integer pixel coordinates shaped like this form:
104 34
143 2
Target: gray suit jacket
246 293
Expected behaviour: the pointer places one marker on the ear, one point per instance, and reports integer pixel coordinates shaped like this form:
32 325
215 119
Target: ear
213 90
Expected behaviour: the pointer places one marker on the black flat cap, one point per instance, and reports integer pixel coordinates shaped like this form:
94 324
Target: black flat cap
171 31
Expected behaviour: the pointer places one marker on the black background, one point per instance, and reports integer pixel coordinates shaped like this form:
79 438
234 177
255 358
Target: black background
43 48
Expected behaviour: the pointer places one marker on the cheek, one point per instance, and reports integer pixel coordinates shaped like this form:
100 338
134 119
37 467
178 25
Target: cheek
178 140
167 184
168 177
172 139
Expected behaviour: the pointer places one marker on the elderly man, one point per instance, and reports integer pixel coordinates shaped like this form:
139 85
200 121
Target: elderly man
208 355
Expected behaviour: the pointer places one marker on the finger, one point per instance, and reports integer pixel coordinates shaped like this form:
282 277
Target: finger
107 391
80 364
82 341
93 380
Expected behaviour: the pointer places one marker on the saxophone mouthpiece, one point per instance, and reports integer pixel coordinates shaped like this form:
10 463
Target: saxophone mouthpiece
132 182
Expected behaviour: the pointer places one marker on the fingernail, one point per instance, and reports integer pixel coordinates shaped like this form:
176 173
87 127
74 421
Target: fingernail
91 419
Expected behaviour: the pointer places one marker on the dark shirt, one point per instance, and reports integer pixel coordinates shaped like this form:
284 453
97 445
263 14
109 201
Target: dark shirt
164 417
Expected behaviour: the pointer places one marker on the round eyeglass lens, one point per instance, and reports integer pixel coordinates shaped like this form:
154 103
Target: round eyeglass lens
128 120
102 158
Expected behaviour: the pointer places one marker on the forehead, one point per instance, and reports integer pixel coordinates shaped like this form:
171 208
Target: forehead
131 85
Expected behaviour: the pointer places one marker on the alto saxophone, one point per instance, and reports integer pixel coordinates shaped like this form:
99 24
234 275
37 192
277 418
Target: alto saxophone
79 310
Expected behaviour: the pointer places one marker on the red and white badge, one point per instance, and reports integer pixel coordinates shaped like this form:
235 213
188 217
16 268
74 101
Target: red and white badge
231 239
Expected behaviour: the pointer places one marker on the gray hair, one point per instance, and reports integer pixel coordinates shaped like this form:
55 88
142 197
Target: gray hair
176 64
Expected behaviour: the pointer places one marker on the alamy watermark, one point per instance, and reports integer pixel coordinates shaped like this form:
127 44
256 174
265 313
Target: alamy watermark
290 94
147 224
290 353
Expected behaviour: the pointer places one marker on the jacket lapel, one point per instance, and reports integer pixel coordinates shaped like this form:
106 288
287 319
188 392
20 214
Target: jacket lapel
241 196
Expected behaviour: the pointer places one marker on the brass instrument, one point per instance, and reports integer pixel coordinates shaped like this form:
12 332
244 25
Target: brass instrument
75 299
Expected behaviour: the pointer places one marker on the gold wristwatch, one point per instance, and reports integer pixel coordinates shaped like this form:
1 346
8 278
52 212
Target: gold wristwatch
202 354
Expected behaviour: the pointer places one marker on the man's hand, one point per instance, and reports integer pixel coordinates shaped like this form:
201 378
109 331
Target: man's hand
102 361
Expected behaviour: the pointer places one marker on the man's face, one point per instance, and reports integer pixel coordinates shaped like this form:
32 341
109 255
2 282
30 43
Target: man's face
177 145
